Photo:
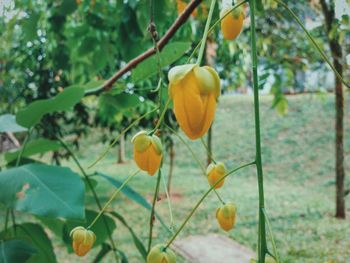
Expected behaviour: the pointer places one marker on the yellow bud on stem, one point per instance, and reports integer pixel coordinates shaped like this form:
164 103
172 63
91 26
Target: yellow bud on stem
83 240
148 152
226 216
160 254
232 24
215 172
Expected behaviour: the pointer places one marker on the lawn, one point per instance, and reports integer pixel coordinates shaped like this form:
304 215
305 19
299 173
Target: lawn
298 160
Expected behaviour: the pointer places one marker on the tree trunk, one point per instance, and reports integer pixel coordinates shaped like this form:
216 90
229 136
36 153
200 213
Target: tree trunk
336 50
121 149
171 166
339 140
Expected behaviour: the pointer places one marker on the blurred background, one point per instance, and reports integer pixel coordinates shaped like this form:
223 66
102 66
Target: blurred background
47 46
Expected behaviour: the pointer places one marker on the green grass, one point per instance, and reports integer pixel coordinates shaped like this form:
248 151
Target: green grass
298 161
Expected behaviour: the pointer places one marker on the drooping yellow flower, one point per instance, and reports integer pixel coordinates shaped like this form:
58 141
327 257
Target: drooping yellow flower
215 172
232 24
226 216
147 152
194 91
159 254
83 240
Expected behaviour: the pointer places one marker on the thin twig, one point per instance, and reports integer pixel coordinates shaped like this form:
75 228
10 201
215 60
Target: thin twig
161 43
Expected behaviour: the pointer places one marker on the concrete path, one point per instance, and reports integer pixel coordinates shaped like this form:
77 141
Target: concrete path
212 248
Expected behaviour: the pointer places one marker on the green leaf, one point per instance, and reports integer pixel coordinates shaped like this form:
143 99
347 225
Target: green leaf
29 26
132 195
35 235
105 248
32 114
168 55
124 258
8 124
43 190
38 146
15 251
138 244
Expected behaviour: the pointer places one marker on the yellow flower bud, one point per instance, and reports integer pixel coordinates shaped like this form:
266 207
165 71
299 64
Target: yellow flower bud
83 240
159 254
148 152
232 24
226 216
214 173
194 91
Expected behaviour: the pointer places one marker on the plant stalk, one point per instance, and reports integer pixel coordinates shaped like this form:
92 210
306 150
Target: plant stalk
262 246
206 29
97 200
202 199
116 192
151 220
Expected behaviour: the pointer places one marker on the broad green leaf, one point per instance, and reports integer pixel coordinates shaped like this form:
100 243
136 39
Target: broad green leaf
149 67
29 26
15 251
132 195
120 101
43 190
123 257
35 235
8 124
105 248
38 146
138 244
65 100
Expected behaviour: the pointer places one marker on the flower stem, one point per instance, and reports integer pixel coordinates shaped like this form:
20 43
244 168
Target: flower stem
120 135
213 27
202 199
151 221
205 34
275 253
116 192
262 247
169 203
208 151
161 116
196 159
97 200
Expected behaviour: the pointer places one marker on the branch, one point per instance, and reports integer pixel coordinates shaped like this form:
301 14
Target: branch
160 44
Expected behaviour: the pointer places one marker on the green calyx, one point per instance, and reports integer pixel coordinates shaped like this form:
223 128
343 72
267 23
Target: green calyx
141 141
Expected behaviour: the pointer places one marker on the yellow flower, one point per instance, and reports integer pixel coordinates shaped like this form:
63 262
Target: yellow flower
232 24
83 240
147 152
226 216
159 254
215 172
194 91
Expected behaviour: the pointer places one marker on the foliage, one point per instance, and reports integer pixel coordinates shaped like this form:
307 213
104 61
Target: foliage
55 57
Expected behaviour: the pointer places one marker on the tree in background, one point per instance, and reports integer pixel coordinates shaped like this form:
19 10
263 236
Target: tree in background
334 41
